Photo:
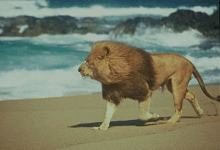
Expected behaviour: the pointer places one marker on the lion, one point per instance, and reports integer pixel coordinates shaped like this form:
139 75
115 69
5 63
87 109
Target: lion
128 72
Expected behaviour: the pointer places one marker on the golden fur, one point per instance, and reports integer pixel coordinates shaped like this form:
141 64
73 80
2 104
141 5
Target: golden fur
129 72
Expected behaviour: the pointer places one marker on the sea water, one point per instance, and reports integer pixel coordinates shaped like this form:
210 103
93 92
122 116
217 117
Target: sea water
47 65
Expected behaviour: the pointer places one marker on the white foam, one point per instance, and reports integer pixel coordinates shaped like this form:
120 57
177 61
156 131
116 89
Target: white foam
41 3
69 38
150 37
13 38
39 8
207 80
163 37
108 26
1 31
22 28
215 48
82 47
19 84
205 63
201 9
172 39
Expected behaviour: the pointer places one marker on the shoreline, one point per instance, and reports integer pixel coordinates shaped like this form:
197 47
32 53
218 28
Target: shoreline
65 123
72 94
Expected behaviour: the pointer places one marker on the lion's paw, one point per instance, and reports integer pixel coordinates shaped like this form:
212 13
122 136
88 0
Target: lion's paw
149 116
155 116
95 128
104 126
200 112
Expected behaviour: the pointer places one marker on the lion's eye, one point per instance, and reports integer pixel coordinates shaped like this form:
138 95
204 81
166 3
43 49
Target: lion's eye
91 66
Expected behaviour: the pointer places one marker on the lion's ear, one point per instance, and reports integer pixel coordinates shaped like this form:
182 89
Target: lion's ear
107 50
104 53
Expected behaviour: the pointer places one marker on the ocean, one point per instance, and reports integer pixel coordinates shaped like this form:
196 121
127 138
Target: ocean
47 65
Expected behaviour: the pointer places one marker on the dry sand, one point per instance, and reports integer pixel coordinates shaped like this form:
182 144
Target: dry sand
66 123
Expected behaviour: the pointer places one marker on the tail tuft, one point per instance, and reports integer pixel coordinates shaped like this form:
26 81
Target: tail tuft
218 98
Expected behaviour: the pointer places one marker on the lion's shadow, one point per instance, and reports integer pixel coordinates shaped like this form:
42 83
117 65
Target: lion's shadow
135 122
112 123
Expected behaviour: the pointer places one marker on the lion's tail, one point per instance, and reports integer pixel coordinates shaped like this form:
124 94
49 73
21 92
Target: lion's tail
201 83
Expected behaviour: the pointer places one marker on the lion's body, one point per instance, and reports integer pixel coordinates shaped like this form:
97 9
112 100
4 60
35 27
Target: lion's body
129 72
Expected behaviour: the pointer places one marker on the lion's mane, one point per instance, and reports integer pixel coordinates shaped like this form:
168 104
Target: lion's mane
124 71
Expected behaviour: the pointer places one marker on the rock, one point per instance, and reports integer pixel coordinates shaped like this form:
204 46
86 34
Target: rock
4 22
179 21
207 44
67 19
214 19
210 29
92 20
11 30
57 25
23 20
184 19
10 26
130 25
31 26
88 28
36 26
52 25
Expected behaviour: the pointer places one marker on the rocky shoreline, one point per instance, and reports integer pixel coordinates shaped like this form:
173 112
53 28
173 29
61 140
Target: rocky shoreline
179 21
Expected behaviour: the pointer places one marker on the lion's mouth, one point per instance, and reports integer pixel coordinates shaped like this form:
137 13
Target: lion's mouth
84 76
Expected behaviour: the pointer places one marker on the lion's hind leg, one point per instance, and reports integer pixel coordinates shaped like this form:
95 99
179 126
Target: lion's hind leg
178 89
178 95
191 98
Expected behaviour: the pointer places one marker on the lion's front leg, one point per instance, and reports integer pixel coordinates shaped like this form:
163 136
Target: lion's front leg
144 113
110 109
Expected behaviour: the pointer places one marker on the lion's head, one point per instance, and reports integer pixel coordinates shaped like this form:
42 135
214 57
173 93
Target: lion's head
107 62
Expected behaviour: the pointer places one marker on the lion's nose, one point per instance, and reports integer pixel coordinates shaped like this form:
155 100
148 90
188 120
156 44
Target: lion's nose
79 69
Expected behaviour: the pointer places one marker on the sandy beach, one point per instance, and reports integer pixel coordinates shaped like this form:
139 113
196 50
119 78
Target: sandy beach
65 123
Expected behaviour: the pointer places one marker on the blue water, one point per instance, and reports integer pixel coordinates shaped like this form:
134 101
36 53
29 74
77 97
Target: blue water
47 65
26 55
130 3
